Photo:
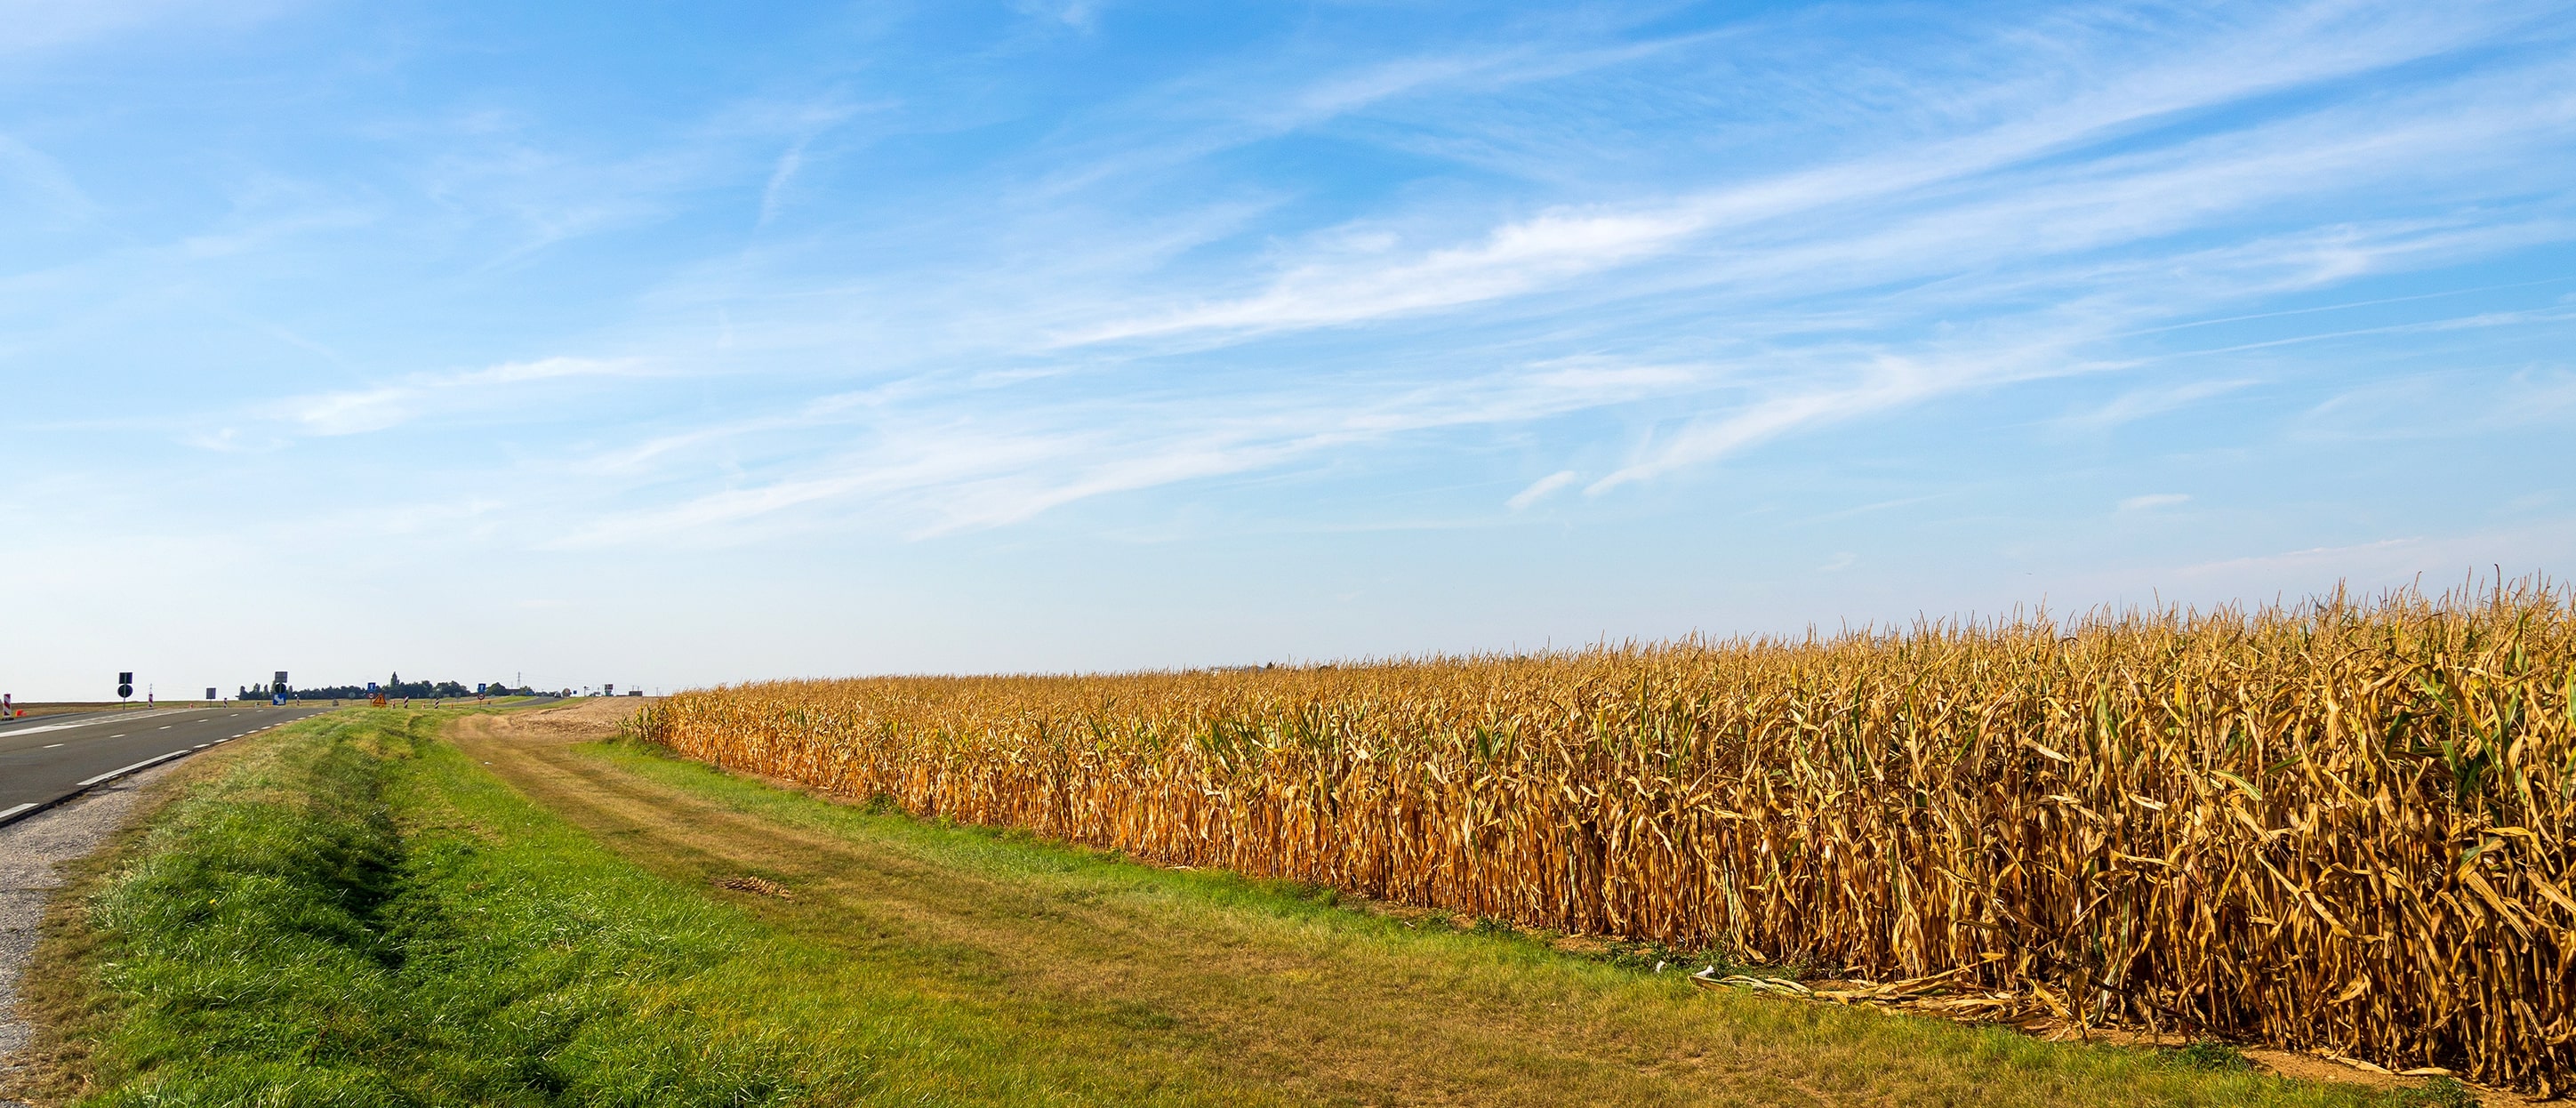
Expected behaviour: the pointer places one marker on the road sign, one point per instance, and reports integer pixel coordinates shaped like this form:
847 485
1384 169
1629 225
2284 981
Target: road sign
371 688
124 685
210 692
278 699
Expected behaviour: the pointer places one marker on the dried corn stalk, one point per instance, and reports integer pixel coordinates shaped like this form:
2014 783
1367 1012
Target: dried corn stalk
2344 826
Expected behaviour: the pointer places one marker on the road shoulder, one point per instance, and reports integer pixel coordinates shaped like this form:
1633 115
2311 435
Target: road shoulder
37 857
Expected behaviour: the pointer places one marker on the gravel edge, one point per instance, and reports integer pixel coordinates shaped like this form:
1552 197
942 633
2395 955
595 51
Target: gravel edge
32 854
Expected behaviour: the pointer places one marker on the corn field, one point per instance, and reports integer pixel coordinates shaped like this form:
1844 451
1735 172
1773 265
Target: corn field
2342 825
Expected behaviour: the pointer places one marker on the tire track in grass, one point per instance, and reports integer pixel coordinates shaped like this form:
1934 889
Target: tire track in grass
1198 991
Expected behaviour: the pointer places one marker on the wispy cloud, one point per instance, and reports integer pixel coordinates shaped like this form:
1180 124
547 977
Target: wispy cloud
2441 560
32 25
2065 218
2065 206
2422 406
1512 260
773 193
356 411
926 466
1077 15
1776 228
1837 385
2155 500
1540 489
41 180
2137 404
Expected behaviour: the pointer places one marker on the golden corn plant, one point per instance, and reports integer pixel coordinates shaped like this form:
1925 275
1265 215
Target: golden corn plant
2341 825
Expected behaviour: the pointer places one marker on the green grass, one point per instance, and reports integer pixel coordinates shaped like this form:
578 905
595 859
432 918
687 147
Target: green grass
352 917
358 914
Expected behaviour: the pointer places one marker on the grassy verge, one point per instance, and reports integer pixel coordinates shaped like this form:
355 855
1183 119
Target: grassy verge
362 913
352 917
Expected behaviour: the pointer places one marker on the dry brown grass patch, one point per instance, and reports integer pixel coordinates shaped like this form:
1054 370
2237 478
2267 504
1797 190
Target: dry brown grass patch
760 886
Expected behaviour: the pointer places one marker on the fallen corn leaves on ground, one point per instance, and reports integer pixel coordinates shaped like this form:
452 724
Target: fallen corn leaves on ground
2338 826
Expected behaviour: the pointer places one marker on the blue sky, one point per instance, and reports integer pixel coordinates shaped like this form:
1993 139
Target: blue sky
674 344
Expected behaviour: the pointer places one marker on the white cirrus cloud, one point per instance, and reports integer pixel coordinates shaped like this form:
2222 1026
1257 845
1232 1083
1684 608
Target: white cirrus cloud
357 411
2154 500
1540 489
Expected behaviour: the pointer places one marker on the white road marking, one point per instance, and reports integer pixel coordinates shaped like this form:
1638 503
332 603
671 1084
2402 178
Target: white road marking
122 717
165 727
13 812
50 746
129 769
202 746
116 736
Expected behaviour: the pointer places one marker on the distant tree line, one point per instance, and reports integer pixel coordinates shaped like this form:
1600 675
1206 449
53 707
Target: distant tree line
393 686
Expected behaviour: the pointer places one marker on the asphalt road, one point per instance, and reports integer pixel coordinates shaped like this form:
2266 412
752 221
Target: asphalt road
44 759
